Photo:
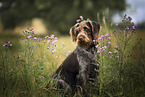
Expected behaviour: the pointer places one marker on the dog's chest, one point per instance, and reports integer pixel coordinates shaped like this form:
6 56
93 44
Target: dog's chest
84 58
83 62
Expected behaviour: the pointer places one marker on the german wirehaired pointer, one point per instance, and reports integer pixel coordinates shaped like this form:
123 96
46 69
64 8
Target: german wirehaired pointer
80 66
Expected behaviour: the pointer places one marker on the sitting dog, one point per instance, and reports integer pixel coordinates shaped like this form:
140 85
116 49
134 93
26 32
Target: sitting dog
80 66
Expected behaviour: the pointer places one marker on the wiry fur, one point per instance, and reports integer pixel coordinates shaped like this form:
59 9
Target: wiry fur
80 66
87 30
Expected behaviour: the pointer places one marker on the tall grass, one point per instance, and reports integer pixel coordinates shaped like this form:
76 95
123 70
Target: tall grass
119 73
27 71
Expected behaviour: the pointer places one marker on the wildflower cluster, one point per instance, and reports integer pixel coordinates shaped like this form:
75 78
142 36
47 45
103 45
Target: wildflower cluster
7 44
51 42
68 53
29 34
105 45
127 26
124 33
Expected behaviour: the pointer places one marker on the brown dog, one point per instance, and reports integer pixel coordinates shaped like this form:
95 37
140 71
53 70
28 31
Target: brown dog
80 66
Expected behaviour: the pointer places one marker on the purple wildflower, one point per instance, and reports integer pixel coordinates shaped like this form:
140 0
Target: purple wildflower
55 38
116 24
130 18
40 38
109 37
29 36
11 45
48 47
51 48
127 28
117 57
24 31
4 45
110 52
54 41
94 41
109 42
117 46
44 41
96 46
102 36
48 41
69 51
9 42
115 51
62 44
67 54
52 36
56 57
53 51
18 56
35 38
98 51
103 49
99 38
47 37
124 15
133 27
107 34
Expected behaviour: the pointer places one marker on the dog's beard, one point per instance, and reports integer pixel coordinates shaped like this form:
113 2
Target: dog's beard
83 40
84 44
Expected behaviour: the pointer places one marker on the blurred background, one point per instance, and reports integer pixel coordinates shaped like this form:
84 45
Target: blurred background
57 16
27 65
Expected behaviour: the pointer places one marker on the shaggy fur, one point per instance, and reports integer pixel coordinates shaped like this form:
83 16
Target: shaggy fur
80 66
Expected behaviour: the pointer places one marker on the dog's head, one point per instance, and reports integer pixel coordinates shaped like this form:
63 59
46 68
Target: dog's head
85 32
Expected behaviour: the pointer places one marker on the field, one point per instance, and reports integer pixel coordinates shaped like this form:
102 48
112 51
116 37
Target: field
28 62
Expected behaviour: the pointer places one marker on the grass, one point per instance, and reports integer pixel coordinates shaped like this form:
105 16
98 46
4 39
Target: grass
27 65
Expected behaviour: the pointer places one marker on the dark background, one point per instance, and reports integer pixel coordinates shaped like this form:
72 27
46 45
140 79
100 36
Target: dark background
57 15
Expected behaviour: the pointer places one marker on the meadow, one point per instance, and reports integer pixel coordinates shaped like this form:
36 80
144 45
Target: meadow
27 63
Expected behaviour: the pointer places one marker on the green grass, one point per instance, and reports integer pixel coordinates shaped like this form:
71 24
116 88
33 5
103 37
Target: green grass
28 75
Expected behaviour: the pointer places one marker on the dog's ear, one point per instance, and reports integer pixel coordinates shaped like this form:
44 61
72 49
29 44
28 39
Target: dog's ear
95 29
73 32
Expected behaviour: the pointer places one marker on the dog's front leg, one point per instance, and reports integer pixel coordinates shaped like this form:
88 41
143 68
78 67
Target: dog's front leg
82 82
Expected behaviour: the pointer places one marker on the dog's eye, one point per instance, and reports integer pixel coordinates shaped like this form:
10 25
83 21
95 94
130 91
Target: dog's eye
86 29
77 25
77 31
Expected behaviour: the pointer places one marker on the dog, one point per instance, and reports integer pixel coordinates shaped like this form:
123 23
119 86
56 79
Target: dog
81 65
